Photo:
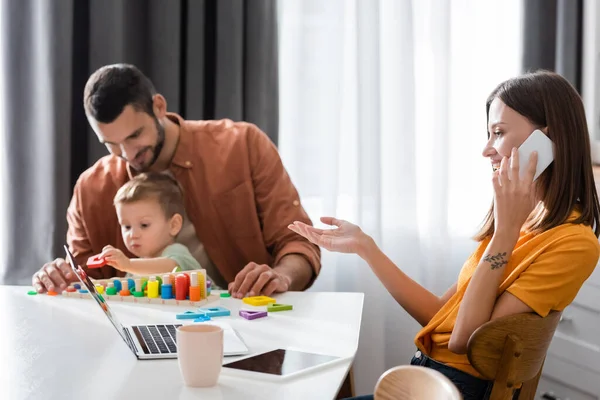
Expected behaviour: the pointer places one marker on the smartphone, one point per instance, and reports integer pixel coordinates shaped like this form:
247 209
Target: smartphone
537 141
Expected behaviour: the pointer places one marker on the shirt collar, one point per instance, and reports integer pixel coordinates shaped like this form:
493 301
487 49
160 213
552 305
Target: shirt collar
183 156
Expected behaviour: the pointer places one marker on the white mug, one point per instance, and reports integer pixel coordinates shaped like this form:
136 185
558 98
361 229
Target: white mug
200 354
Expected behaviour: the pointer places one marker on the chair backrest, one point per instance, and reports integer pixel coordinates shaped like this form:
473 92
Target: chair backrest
414 382
511 351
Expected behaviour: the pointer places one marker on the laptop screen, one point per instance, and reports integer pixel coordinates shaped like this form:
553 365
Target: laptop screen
80 273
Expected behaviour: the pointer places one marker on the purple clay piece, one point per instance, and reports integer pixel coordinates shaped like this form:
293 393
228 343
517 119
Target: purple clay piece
250 315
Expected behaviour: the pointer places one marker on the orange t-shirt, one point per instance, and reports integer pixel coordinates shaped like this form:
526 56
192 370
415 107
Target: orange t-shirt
545 272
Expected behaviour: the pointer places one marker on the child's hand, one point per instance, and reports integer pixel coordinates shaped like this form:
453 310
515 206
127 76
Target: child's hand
116 258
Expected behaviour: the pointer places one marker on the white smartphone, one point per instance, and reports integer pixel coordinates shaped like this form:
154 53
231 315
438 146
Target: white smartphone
537 141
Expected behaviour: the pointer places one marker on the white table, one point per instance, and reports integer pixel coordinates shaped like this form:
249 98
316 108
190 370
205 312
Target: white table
65 348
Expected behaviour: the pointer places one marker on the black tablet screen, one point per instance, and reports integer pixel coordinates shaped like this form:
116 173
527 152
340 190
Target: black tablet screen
280 362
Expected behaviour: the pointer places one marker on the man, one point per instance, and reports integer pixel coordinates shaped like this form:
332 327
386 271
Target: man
239 198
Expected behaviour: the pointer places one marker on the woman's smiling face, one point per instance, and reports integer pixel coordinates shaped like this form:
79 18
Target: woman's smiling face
506 129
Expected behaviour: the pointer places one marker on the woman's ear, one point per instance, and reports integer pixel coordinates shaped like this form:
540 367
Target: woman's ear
545 130
175 224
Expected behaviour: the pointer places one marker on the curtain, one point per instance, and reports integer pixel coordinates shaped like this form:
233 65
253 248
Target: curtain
553 37
210 59
383 123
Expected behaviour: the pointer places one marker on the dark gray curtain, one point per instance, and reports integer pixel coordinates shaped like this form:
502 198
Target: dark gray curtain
210 58
553 37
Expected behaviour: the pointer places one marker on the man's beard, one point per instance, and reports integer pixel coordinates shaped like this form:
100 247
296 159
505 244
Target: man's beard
160 143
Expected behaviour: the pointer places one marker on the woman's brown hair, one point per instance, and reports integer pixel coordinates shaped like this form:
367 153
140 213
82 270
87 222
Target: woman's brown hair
549 100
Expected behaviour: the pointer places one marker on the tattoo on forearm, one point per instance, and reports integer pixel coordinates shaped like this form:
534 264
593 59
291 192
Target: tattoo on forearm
497 261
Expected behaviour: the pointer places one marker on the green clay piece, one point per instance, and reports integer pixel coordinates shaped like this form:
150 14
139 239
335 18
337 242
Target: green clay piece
138 294
32 292
176 269
278 307
224 295
111 291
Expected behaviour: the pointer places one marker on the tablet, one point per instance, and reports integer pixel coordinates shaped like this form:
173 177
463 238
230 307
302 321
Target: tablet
281 363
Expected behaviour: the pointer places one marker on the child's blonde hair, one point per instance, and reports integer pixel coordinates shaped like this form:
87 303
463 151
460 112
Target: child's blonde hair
161 187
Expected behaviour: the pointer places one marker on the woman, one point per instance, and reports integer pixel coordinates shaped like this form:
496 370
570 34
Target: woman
538 243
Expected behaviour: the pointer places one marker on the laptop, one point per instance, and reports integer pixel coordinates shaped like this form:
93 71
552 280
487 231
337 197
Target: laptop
152 341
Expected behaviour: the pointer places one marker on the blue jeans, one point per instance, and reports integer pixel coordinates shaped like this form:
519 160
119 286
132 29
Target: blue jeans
471 387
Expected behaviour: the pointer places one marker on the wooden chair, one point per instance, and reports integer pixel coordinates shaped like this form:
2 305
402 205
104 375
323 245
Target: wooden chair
347 388
511 351
412 382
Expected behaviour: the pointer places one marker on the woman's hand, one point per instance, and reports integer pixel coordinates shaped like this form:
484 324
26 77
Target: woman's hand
346 238
116 258
514 196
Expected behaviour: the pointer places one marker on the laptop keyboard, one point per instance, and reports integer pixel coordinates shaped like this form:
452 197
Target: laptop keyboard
157 339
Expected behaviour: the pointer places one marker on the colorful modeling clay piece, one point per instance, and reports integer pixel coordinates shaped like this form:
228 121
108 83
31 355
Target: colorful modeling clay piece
83 291
215 311
32 292
117 284
52 293
225 295
278 307
131 284
202 318
152 288
194 288
182 285
138 294
96 261
124 288
99 289
71 289
258 300
202 284
190 315
250 315
176 269
77 286
166 290
110 289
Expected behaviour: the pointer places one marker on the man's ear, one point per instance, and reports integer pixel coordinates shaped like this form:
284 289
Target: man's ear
159 106
175 224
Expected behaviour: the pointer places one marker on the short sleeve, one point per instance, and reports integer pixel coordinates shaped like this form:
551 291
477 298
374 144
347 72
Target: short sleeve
554 278
182 256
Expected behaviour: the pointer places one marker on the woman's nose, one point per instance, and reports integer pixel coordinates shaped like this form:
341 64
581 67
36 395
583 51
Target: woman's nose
489 149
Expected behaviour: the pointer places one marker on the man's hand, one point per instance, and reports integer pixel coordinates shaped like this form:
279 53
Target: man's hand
258 280
116 258
54 276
